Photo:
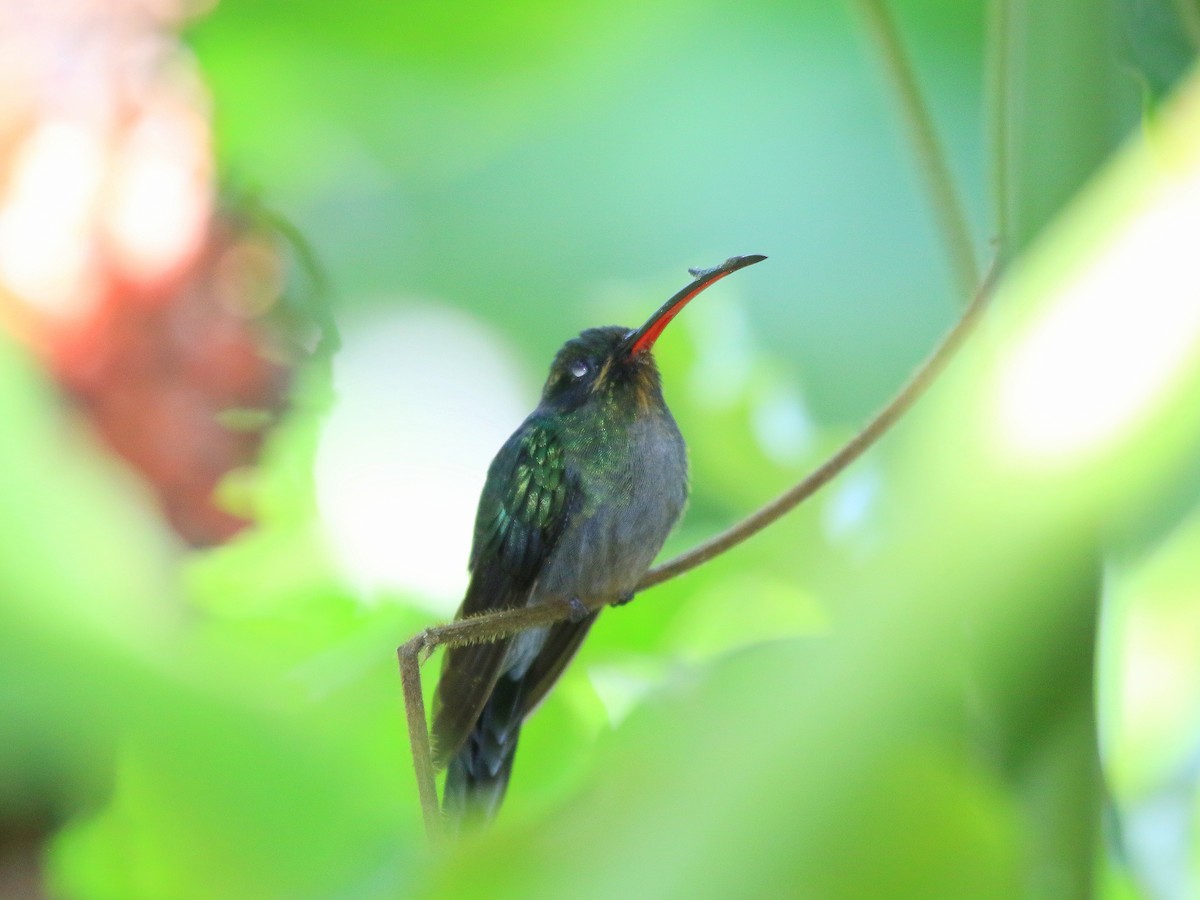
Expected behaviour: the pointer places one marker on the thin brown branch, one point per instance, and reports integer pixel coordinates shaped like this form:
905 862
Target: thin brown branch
1189 17
852 450
947 206
472 630
999 116
418 734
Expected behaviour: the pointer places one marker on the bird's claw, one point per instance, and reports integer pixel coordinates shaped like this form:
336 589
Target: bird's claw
579 610
623 599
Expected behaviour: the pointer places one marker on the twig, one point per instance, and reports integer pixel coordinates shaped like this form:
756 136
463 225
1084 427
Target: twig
1189 17
999 88
418 733
472 630
947 208
918 382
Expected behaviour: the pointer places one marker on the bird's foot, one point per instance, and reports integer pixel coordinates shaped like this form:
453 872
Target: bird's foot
579 610
623 599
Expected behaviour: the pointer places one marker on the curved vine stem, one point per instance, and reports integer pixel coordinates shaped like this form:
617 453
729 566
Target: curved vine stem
1189 18
935 171
497 625
918 382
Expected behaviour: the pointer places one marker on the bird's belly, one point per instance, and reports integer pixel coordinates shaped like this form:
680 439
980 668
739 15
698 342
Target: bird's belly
603 559
598 561
602 555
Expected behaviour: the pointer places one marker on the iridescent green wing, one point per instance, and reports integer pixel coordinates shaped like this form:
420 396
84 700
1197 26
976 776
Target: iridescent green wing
522 511
525 504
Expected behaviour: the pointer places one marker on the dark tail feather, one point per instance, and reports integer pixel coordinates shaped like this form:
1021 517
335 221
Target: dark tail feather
477 776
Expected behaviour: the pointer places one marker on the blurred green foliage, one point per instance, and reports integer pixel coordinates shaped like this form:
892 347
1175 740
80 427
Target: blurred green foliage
889 693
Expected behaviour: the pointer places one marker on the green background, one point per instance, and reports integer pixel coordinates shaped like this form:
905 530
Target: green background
889 693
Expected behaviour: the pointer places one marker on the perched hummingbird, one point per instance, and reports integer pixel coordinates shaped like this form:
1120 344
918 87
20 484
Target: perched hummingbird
576 505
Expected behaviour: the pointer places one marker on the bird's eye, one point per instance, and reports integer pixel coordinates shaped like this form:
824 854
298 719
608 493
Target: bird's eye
579 369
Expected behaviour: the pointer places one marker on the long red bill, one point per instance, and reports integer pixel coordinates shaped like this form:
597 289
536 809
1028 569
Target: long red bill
643 339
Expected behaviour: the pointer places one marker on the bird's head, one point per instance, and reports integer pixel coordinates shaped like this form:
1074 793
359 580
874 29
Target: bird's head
615 363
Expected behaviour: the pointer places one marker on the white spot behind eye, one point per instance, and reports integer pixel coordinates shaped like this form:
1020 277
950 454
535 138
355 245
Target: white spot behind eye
579 369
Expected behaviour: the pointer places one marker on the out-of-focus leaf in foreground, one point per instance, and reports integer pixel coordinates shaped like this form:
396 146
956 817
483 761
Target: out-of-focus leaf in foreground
187 770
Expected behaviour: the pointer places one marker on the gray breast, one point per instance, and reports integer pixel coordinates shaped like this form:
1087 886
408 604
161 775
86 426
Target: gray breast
602 556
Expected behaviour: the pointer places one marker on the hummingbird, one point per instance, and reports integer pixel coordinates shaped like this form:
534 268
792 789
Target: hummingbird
576 505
